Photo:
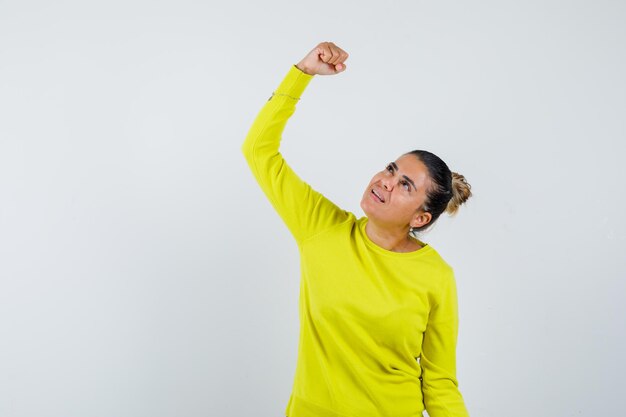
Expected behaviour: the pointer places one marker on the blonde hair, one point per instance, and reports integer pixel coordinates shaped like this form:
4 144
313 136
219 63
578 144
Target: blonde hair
461 191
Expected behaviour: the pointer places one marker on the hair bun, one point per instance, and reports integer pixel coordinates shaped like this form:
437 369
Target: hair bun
461 191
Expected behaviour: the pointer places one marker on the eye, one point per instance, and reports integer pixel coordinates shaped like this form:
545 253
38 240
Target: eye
405 184
390 168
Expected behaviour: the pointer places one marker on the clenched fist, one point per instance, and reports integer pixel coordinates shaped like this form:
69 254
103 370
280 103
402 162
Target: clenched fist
325 59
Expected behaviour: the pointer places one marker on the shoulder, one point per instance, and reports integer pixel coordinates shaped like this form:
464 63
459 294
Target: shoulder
442 271
437 262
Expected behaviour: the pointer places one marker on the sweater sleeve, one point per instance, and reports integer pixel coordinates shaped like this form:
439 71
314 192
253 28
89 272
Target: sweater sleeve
304 210
442 397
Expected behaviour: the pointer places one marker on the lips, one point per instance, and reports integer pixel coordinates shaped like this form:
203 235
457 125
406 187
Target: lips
378 196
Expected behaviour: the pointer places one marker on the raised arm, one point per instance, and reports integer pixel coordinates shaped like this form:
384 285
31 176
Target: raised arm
442 397
304 210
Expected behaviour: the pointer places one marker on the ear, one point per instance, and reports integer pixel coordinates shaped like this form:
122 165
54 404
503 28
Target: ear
421 218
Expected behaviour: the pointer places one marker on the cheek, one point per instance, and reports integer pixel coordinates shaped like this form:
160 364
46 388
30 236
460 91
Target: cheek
410 202
378 177
372 181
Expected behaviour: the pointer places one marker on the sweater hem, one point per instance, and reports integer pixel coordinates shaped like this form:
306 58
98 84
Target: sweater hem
299 407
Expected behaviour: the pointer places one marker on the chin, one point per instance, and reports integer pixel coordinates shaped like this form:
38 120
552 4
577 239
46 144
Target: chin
366 208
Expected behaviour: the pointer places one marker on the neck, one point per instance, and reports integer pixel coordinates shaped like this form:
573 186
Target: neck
395 240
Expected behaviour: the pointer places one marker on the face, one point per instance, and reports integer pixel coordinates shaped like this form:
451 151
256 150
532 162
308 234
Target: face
395 195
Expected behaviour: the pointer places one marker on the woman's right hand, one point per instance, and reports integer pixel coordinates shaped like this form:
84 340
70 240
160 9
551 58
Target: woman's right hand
325 59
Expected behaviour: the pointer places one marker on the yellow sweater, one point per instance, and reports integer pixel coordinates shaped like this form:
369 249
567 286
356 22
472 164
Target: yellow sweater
378 329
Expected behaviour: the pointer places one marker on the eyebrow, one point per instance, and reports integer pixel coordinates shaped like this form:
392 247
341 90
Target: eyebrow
395 167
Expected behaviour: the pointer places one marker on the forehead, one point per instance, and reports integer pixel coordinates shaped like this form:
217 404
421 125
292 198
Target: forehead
413 168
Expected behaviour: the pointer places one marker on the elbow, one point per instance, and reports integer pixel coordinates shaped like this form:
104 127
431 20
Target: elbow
440 383
247 149
442 397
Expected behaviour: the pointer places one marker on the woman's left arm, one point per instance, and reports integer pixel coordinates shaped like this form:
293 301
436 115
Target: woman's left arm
442 397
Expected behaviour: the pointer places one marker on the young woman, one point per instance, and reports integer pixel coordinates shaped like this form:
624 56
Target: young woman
378 306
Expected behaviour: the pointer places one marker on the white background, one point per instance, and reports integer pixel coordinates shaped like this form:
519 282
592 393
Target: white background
143 273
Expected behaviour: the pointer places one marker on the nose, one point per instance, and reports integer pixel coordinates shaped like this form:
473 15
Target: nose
387 183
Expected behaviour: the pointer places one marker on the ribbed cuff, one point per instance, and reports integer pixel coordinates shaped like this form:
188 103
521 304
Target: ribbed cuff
294 83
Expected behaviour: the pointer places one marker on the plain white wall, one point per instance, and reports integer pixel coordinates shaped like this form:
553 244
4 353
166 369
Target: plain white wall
143 273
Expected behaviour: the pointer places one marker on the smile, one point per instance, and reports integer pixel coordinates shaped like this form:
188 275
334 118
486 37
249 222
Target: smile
378 196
